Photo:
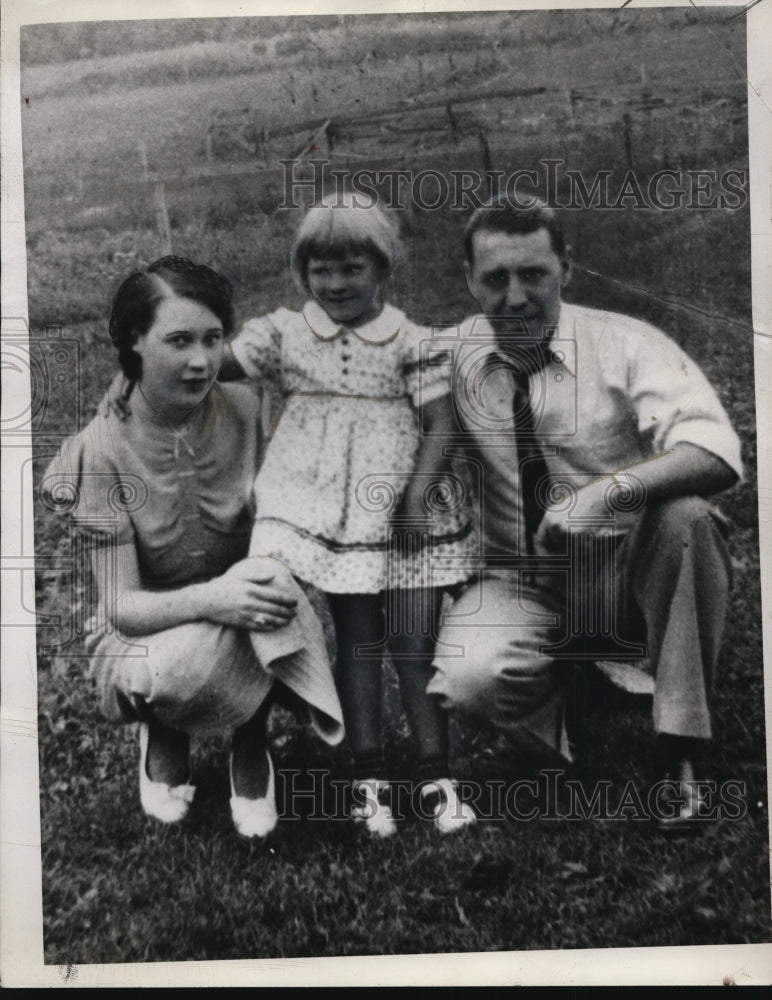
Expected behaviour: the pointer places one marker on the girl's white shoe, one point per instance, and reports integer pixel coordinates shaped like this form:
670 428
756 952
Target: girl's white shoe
254 817
371 808
449 813
167 803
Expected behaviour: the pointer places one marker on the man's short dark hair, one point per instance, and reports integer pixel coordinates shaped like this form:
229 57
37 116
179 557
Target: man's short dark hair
504 217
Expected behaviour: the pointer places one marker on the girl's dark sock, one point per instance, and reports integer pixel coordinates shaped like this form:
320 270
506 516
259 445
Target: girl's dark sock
369 764
432 766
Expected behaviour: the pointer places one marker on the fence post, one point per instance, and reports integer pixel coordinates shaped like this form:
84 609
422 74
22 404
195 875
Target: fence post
453 122
162 218
143 160
628 139
485 149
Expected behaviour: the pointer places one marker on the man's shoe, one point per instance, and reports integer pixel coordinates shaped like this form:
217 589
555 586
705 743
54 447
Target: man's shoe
681 803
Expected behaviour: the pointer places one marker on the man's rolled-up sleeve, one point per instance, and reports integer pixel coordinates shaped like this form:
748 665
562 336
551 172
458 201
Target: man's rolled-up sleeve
675 402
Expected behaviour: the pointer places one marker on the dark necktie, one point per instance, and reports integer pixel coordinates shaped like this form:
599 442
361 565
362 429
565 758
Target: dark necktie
530 459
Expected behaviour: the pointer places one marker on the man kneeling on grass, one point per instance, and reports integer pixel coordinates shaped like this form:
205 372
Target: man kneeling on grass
598 442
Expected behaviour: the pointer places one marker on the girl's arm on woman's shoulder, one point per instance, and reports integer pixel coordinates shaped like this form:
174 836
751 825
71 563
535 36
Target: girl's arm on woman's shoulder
255 351
245 596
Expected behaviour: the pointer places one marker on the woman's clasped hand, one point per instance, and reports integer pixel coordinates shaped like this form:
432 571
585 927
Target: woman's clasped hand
252 595
164 495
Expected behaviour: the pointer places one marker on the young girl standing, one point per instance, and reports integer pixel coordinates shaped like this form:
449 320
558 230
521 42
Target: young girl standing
356 455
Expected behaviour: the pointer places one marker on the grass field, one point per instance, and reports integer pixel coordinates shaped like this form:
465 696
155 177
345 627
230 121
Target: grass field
116 887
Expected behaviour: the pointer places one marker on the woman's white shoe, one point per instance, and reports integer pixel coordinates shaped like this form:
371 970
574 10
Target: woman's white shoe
371 808
449 812
255 817
167 803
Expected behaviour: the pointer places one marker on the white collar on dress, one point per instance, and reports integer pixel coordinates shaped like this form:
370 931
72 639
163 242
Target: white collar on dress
380 330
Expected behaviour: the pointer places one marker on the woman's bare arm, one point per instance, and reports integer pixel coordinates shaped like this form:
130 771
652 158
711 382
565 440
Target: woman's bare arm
252 594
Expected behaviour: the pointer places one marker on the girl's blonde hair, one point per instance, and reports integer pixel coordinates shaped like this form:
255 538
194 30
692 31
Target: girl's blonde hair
341 223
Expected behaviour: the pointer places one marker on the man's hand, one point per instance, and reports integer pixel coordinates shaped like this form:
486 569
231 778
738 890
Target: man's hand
592 509
684 470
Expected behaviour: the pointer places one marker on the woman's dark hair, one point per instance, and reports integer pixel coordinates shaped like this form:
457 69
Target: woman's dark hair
136 301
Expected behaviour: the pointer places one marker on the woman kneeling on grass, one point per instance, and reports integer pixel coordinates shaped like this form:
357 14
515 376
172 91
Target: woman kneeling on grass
192 636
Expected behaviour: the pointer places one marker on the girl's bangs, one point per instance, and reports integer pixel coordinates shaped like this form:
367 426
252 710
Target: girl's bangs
337 247
335 231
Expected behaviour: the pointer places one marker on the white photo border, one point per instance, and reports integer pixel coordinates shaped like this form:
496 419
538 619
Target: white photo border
21 944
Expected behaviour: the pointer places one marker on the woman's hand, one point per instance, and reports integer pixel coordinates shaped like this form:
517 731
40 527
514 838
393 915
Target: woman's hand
253 594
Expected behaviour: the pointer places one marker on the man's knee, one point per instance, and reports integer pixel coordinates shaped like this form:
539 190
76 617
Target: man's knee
679 555
465 683
680 517
498 685
522 689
